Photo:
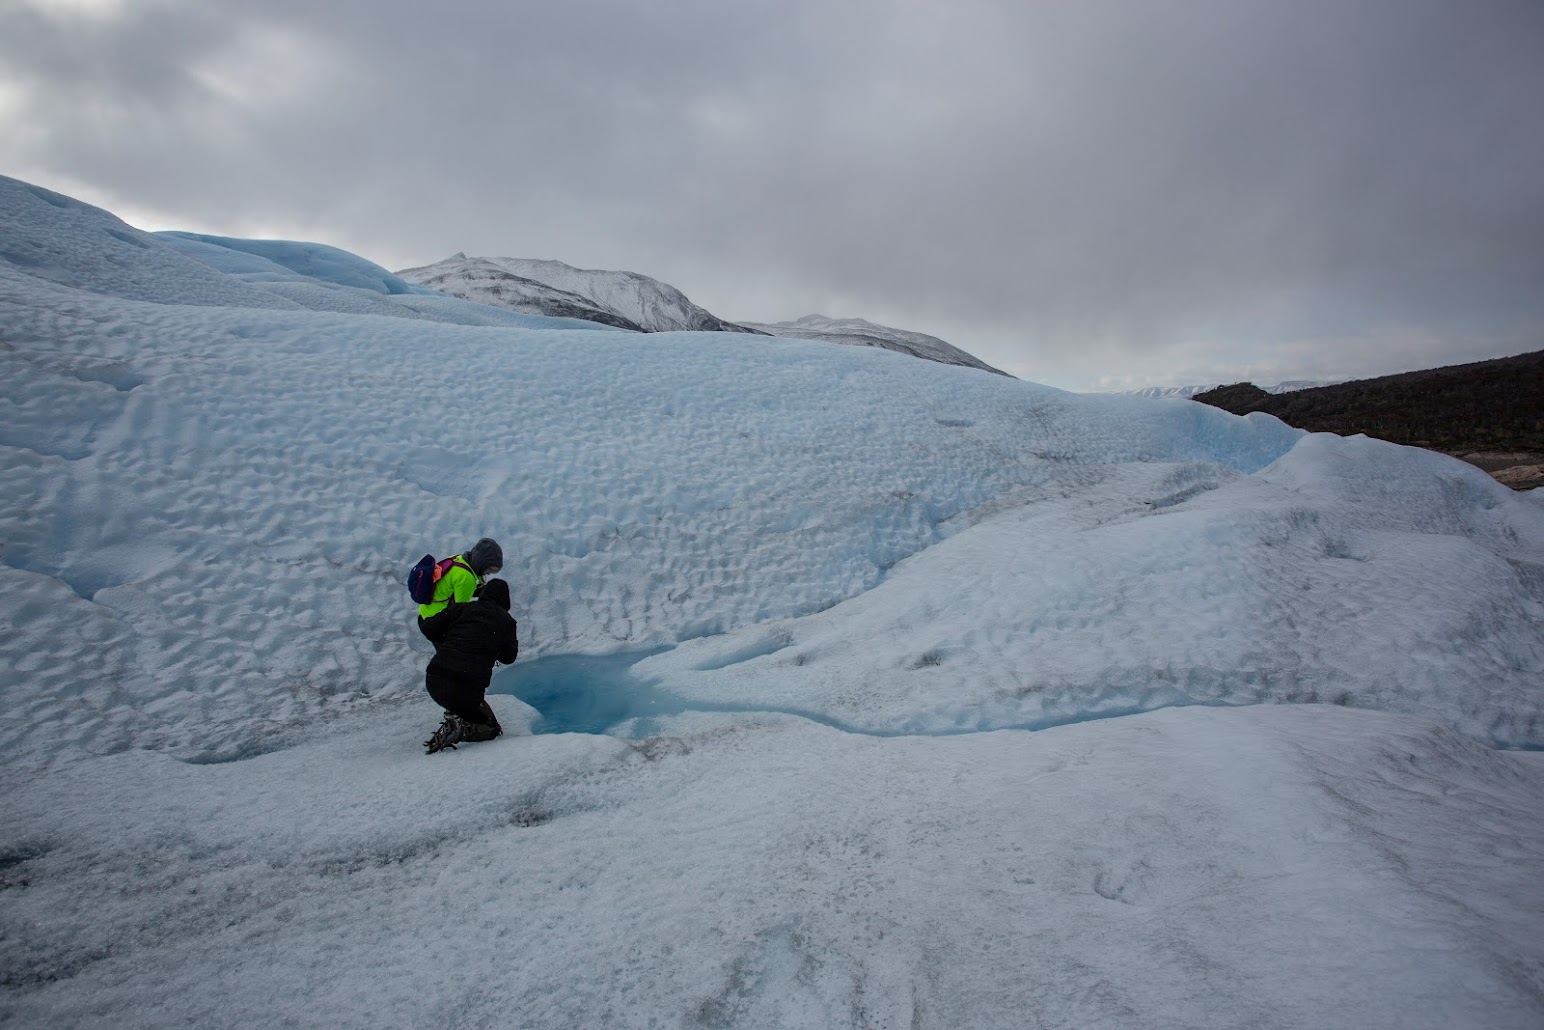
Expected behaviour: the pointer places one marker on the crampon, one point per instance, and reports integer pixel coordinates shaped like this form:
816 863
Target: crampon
452 731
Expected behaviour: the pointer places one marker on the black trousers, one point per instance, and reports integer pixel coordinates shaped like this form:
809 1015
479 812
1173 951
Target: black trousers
461 697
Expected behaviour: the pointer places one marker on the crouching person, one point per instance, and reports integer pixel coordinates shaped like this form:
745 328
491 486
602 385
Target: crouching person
460 583
468 640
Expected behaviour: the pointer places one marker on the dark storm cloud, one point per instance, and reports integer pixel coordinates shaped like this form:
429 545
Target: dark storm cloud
1109 178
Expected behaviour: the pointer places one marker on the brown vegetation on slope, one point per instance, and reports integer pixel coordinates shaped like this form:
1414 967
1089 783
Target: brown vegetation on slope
1490 413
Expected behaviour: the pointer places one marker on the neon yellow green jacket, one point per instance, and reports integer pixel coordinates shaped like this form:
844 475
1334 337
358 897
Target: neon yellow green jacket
459 584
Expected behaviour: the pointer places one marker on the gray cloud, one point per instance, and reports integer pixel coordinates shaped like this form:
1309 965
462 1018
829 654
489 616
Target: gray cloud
1118 188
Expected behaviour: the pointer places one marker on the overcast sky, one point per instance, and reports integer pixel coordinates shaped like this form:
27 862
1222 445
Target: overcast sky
1091 193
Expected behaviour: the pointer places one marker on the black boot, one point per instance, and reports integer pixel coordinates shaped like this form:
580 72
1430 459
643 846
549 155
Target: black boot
451 732
487 725
487 718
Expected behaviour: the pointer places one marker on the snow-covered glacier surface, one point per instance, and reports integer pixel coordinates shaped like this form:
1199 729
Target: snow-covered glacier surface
977 703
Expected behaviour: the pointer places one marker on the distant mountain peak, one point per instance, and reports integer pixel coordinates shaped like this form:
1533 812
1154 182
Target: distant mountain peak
1185 392
862 333
632 300
542 286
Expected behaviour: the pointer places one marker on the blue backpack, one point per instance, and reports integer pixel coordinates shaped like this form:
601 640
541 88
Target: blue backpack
425 576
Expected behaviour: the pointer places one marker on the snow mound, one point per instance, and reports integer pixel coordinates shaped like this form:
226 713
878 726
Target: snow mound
56 239
209 511
230 497
264 258
1349 572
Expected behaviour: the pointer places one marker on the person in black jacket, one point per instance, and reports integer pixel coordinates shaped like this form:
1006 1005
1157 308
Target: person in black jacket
469 638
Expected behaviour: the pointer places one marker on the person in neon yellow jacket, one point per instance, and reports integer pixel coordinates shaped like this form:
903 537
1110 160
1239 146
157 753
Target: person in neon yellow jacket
462 582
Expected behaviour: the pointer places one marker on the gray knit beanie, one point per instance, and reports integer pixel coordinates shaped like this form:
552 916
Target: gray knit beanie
484 556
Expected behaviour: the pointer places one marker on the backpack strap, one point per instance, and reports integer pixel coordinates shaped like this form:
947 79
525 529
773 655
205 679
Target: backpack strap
457 561
450 602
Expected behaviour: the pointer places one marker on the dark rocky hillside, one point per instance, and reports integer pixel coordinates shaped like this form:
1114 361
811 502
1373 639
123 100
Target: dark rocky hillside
1488 412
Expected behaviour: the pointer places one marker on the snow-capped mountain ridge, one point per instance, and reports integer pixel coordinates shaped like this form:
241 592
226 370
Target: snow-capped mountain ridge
485 281
628 300
860 332
631 300
1186 392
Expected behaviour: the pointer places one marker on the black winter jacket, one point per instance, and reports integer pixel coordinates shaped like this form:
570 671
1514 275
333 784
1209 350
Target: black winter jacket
469 637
